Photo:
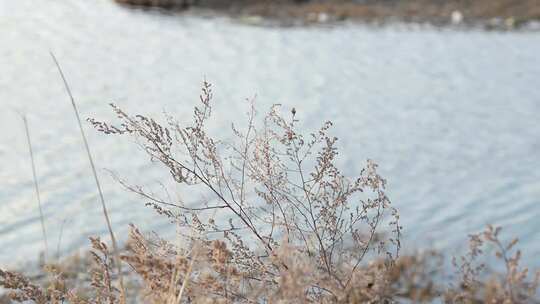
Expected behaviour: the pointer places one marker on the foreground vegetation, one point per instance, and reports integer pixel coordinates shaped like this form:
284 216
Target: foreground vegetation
281 224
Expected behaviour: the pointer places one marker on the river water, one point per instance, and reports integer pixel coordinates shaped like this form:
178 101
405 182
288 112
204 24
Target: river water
451 116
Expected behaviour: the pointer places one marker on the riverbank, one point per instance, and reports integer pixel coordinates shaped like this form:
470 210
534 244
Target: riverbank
489 14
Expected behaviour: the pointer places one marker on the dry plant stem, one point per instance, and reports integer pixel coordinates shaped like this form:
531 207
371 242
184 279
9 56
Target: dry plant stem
185 282
36 186
98 185
60 240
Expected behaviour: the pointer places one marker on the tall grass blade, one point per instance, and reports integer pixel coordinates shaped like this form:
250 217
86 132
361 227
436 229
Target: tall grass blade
98 185
36 186
60 240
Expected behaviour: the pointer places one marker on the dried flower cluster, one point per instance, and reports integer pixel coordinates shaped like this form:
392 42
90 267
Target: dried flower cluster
283 225
514 286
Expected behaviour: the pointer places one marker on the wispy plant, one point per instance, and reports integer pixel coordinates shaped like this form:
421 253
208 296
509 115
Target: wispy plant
516 285
274 187
93 167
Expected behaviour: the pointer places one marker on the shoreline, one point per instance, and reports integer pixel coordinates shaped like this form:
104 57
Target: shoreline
504 15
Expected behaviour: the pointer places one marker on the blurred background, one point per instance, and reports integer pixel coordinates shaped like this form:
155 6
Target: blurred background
444 95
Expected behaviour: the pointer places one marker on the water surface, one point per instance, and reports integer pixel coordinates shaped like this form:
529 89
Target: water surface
450 116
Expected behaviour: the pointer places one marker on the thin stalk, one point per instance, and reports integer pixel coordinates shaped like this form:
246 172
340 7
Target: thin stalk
186 280
59 241
98 185
36 187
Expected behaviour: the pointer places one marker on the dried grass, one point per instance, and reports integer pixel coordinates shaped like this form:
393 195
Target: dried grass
94 173
36 187
291 228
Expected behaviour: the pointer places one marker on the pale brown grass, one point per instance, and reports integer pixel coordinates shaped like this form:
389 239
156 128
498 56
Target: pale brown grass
292 228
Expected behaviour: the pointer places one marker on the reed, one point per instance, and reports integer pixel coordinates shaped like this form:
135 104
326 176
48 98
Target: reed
59 242
98 185
36 186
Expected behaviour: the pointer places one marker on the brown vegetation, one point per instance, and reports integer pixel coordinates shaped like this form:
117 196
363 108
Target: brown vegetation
291 229
487 12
